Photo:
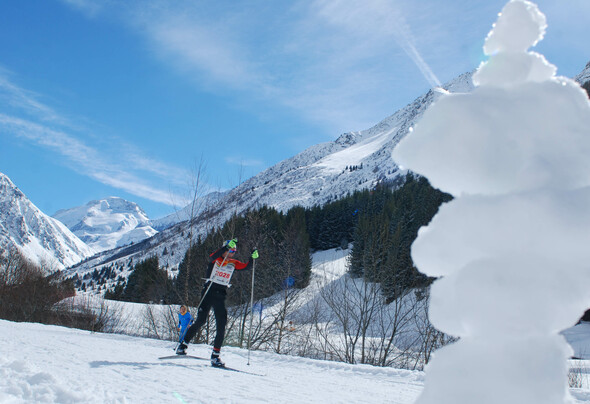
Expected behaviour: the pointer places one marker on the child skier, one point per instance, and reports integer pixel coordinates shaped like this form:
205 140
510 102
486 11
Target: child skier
184 320
219 272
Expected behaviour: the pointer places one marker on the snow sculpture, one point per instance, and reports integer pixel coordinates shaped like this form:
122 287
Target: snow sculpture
512 248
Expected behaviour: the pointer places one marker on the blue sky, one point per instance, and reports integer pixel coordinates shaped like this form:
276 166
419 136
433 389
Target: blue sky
125 98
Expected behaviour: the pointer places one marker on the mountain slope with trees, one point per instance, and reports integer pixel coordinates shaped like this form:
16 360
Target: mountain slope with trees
381 223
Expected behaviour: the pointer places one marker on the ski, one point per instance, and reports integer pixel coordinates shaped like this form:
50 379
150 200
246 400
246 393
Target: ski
230 369
236 370
183 356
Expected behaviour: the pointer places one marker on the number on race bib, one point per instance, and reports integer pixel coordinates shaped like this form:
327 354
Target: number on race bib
222 275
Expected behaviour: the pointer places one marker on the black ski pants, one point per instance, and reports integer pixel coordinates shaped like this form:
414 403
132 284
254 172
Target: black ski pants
214 299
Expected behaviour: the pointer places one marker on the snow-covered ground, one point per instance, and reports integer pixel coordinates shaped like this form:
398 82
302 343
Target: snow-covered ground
48 364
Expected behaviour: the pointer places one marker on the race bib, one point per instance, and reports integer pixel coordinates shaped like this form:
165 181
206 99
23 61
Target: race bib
222 274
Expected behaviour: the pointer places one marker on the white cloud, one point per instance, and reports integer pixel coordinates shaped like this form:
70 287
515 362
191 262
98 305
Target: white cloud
89 161
131 171
25 100
193 45
344 65
377 22
329 60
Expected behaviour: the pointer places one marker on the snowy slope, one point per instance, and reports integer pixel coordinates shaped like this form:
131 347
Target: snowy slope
328 267
319 173
61 365
107 223
39 237
584 76
201 203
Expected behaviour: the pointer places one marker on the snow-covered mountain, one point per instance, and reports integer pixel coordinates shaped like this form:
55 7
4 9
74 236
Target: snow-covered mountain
107 223
321 173
38 237
328 171
192 209
584 77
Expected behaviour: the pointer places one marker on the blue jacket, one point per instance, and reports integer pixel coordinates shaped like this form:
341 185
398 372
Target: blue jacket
184 321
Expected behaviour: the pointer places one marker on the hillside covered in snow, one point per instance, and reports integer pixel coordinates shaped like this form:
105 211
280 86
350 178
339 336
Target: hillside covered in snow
39 237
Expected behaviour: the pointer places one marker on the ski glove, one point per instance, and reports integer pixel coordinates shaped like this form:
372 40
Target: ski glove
232 243
255 253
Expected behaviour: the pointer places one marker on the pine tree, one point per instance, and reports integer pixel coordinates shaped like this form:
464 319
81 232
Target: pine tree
147 283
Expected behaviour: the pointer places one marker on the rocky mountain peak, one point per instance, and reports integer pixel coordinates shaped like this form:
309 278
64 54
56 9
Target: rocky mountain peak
107 223
37 236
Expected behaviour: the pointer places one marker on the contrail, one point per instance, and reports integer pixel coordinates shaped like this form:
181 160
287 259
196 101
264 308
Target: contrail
381 19
404 39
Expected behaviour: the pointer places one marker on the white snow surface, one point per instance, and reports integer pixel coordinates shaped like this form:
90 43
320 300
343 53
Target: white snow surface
107 223
355 154
49 364
40 238
512 247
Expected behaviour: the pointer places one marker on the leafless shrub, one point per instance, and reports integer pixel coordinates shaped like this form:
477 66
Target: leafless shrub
28 294
89 314
575 377
151 328
578 373
351 321
160 322
170 322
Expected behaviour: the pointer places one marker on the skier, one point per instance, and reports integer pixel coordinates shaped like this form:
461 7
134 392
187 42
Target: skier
219 271
184 319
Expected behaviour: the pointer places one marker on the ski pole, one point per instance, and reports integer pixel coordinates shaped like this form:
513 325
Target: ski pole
251 308
181 338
